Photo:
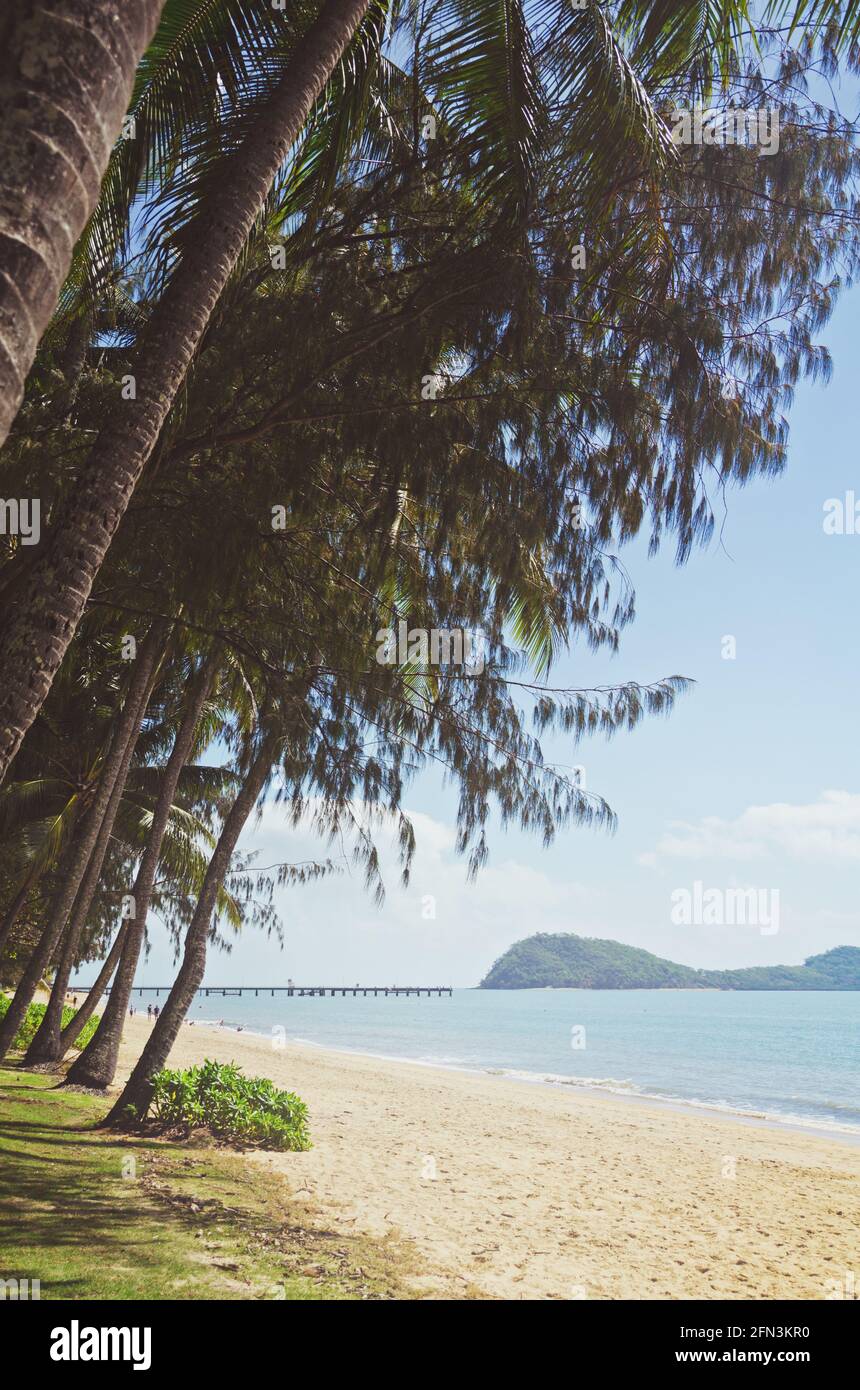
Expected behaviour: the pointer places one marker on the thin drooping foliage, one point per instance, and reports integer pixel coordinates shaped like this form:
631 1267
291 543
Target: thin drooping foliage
485 323
326 68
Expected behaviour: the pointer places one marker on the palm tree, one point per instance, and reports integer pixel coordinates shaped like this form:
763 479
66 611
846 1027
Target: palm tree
45 1044
58 774
126 731
482 68
52 597
98 1062
60 766
66 73
184 867
138 1089
527 601
83 1015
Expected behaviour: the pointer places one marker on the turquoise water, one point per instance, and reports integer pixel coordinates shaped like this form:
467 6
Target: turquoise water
787 1056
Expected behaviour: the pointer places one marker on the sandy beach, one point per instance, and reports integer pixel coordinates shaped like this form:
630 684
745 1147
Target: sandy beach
504 1189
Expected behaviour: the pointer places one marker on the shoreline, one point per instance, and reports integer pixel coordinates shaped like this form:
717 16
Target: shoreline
794 1124
503 1188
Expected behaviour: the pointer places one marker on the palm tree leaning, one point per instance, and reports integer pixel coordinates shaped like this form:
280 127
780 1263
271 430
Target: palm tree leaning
127 726
51 599
97 1063
192 878
54 590
66 73
82 1016
45 1046
138 1089
487 68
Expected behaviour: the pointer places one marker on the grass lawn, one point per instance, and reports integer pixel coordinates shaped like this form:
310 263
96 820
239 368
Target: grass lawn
93 1215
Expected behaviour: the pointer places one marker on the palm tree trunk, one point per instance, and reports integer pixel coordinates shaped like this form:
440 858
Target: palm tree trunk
97 1063
138 1088
10 916
73 1030
55 589
85 845
45 1046
66 73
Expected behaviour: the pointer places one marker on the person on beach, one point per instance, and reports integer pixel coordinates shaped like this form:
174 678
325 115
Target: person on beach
149 1011
131 1011
155 1011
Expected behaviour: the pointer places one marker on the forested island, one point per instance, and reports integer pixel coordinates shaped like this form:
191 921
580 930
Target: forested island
565 961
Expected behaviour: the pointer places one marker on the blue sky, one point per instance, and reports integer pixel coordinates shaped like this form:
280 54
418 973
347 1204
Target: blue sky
751 783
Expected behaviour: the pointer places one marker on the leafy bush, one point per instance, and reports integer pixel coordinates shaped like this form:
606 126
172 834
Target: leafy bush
33 1018
249 1109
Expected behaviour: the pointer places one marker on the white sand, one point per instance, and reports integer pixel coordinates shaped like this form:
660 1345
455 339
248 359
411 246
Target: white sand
543 1193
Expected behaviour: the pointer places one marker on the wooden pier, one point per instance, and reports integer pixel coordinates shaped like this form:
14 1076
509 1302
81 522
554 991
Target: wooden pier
301 991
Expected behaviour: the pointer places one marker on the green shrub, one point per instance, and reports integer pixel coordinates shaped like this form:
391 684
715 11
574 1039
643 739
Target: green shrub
249 1109
33 1018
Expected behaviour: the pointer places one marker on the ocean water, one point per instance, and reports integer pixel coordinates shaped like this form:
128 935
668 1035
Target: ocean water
788 1057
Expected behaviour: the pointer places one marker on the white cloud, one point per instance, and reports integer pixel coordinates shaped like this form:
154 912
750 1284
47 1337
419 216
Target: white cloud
823 831
334 931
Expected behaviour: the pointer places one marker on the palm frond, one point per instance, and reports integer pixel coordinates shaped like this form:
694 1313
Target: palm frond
481 74
690 37
207 57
